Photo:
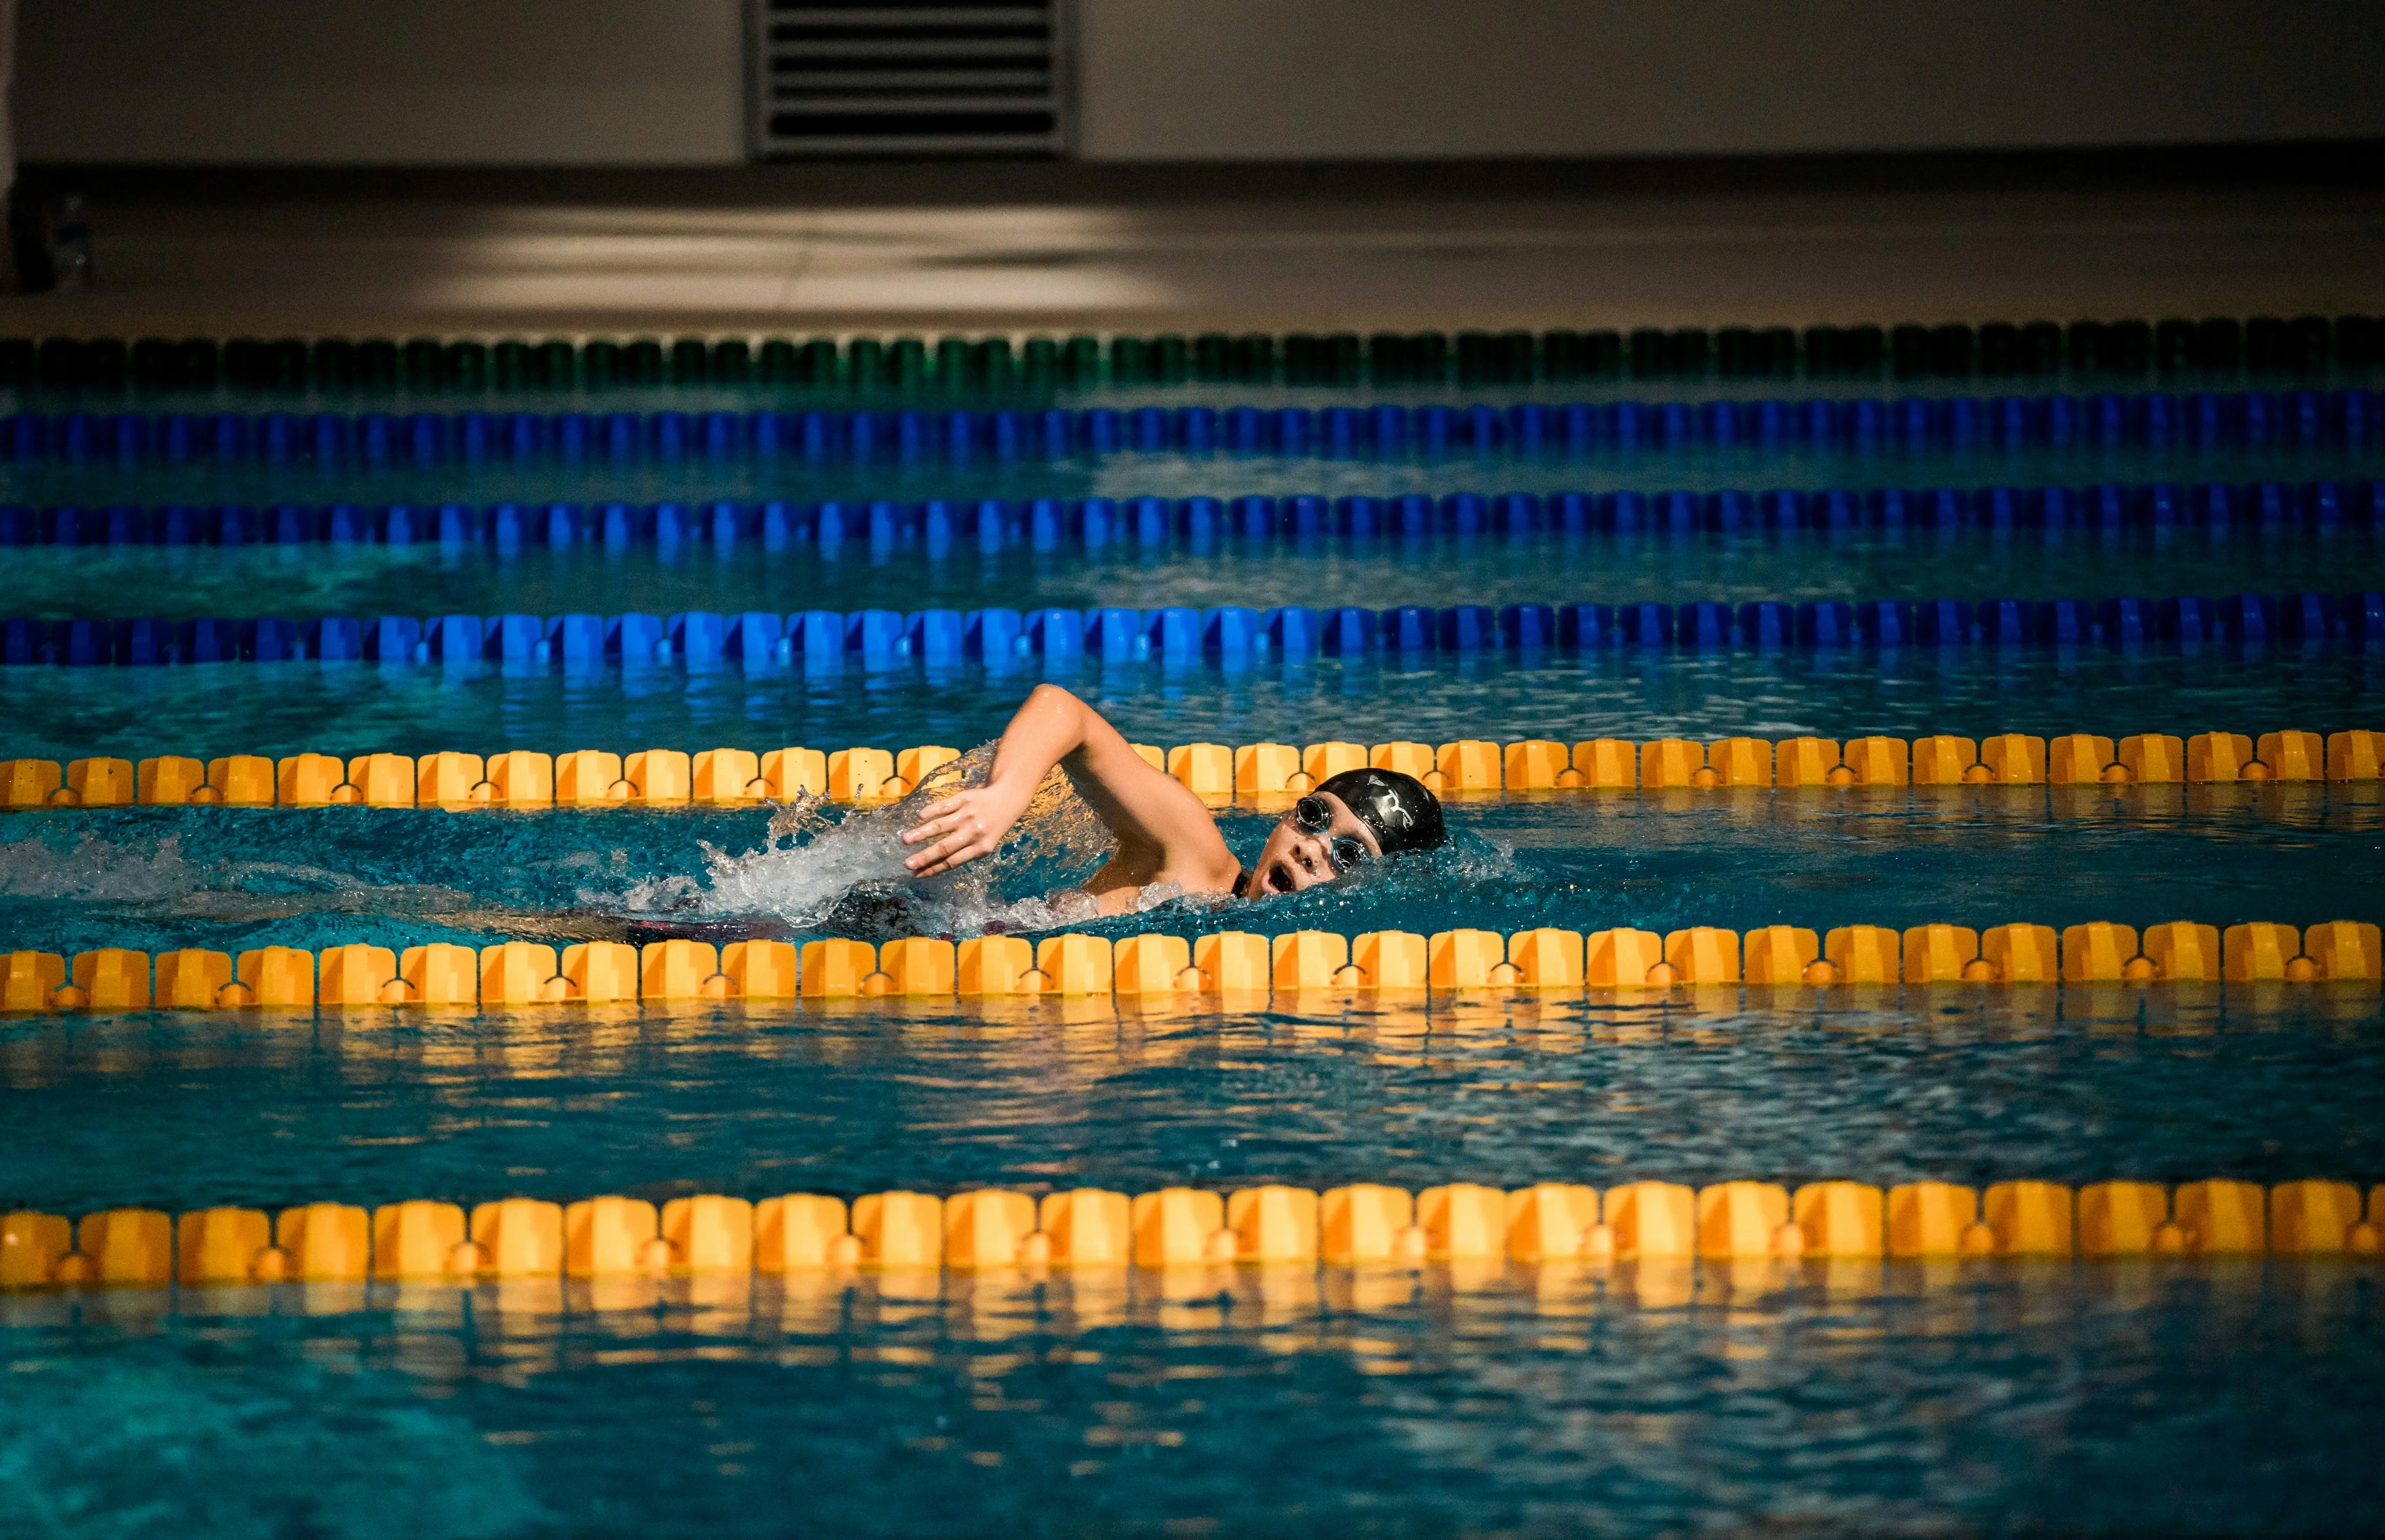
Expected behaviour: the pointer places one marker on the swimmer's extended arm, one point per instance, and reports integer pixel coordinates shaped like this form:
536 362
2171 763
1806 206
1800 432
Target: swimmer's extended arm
1162 828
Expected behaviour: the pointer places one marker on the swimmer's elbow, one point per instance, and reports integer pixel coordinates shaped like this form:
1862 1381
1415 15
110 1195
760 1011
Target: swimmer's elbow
1051 697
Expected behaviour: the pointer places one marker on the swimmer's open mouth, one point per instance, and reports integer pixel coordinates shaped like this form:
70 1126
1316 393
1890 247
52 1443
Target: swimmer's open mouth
1278 878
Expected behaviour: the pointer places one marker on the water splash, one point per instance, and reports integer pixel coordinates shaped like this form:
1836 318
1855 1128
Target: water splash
818 865
97 872
818 870
165 880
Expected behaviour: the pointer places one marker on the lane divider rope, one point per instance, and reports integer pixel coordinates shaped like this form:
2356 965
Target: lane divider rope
1218 773
1231 636
2214 345
2155 420
1222 971
937 526
1274 1225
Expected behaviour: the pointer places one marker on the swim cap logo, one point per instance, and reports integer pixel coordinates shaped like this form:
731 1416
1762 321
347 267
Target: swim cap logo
1402 813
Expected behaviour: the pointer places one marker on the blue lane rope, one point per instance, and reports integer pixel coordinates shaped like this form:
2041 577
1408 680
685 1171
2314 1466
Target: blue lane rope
2249 419
941 526
826 638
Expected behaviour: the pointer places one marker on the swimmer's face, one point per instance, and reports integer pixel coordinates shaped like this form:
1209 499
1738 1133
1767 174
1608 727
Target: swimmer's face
1319 839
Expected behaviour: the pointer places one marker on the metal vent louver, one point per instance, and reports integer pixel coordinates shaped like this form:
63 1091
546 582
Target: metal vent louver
909 77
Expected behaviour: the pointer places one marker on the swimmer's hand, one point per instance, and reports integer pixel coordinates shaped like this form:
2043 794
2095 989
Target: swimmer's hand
1163 832
965 826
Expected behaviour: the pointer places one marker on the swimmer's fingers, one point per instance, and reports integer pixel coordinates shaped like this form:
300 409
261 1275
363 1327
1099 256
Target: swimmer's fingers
954 850
958 838
959 825
936 818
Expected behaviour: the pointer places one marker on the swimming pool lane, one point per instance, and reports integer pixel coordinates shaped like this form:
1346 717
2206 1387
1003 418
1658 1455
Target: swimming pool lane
1438 568
1534 1400
159 878
2141 1393
278 709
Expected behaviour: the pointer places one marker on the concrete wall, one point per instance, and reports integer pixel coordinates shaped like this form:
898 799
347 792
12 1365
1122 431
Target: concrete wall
1268 79
383 81
660 81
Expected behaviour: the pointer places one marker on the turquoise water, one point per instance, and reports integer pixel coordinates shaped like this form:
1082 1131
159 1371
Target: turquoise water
1696 468
352 708
163 878
2198 1399
2156 1397
1796 567
1950 1083
2134 1397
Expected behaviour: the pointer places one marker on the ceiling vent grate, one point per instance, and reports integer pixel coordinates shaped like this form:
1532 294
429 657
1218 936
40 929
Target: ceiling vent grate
910 77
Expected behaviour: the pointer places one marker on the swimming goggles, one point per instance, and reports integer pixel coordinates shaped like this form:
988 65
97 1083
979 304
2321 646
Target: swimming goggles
1314 815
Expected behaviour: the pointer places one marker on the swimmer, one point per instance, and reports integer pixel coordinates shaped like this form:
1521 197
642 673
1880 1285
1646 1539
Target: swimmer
1167 842
1165 835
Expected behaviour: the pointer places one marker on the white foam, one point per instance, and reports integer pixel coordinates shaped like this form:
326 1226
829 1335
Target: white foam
811 859
97 872
164 879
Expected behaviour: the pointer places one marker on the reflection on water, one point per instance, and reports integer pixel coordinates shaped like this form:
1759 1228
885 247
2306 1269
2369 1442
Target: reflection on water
2266 1083
1636 1399
1499 568
353 708
1454 1306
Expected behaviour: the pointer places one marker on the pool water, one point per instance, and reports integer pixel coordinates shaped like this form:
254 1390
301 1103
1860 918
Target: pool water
2143 1397
2153 1396
1383 572
348 708
2182 1399
227 879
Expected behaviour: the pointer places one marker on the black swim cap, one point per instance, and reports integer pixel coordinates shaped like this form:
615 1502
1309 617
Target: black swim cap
1404 813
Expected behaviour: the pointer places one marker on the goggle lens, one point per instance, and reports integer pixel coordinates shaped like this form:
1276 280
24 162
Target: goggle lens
1315 816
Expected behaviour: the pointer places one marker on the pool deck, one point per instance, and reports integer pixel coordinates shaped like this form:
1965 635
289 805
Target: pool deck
1116 248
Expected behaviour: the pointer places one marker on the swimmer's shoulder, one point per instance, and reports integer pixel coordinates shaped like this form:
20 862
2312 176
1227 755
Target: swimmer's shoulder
1162 894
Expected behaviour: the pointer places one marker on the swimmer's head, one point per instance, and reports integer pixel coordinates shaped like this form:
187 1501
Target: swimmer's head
1352 818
